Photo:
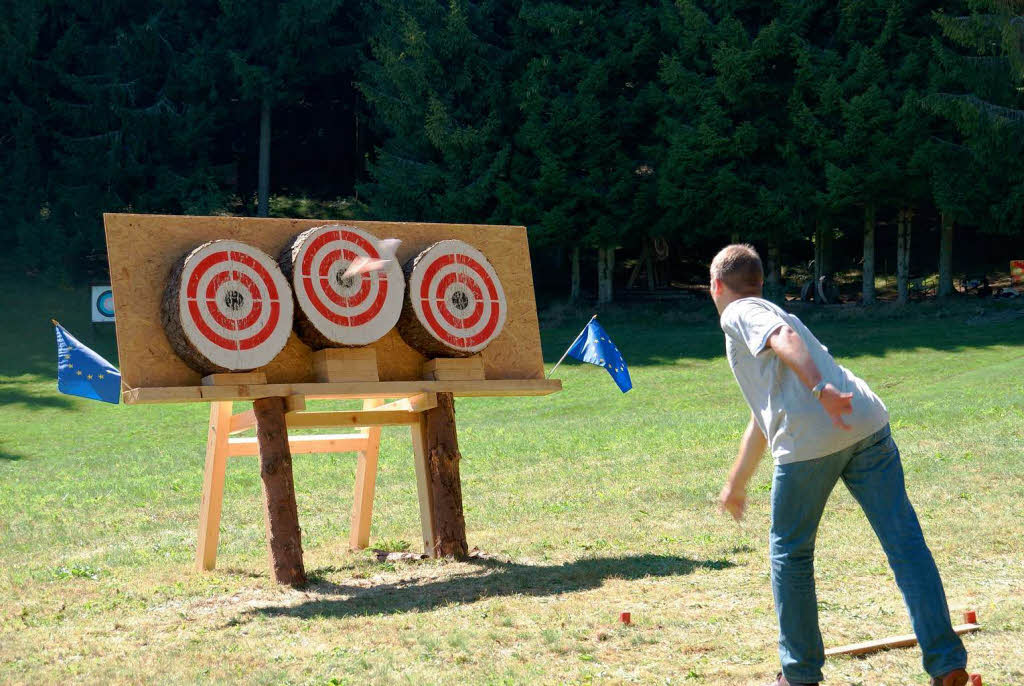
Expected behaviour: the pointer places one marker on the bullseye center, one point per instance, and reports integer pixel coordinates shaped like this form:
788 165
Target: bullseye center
459 300
234 300
343 283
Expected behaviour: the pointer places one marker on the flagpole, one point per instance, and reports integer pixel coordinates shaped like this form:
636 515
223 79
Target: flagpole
562 358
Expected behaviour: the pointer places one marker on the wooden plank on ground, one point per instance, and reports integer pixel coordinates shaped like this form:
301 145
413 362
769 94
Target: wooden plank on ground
903 641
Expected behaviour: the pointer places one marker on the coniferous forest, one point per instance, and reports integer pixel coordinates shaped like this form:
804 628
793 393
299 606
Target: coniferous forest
633 138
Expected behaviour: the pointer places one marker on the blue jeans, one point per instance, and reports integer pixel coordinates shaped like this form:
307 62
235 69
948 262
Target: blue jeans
872 471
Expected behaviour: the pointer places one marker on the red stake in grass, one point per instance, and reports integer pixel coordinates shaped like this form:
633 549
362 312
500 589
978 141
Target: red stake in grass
970 617
624 618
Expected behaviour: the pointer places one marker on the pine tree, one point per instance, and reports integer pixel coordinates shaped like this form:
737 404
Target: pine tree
584 165
437 84
980 173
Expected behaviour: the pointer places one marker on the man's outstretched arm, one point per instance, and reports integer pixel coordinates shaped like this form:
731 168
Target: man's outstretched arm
791 349
733 498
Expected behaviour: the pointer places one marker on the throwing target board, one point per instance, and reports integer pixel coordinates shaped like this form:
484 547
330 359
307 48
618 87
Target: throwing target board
332 310
227 307
143 250
456 305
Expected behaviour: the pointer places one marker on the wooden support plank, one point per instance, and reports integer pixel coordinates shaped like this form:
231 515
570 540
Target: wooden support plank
419 458
366 483
281 515
300 445
441 448
309 420
904 641
213 486
242 421
416 403
454 369
345 364
340 391
234 379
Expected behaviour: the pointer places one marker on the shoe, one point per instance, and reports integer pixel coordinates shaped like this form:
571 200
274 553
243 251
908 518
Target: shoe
781 680
958 677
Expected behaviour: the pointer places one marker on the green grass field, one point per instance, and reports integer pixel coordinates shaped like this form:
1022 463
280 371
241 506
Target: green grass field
593 502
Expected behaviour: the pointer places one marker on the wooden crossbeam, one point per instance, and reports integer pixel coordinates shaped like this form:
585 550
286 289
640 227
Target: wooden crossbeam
904 641
309 420
315 443
420 402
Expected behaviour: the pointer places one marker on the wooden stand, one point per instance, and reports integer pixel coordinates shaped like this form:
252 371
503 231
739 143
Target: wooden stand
431 418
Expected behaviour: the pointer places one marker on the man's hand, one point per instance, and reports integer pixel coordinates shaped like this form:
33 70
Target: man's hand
733 501
836 404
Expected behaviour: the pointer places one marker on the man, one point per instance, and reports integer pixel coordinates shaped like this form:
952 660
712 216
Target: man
822 424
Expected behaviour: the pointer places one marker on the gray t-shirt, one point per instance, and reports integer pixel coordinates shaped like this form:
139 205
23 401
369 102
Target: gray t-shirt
791 418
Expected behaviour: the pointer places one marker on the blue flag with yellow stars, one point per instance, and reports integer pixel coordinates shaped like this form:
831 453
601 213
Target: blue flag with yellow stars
595 346
82 372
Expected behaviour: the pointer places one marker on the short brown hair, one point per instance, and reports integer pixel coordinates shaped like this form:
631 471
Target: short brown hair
738 266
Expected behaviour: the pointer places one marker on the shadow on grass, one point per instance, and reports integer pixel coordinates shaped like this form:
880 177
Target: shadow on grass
12 395
494 579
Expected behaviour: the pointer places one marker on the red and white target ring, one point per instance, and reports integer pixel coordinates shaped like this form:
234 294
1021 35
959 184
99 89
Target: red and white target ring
234 305
352 311
456 297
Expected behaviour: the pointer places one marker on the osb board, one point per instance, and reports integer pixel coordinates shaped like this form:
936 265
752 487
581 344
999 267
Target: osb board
142 248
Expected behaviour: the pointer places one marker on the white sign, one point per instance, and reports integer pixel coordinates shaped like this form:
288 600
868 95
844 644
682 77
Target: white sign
102 304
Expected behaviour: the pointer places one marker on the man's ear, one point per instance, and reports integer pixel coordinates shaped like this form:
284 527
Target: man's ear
716 286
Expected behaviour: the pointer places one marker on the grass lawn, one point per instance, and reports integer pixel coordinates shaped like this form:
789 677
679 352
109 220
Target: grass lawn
595 503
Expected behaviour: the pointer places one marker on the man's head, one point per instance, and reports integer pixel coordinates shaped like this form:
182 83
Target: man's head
736 272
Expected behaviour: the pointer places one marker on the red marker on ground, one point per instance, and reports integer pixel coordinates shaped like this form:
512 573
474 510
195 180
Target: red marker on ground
624 618
970 617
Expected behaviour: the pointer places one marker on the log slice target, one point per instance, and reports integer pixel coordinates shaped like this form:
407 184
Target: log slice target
227 307
456 305
340 312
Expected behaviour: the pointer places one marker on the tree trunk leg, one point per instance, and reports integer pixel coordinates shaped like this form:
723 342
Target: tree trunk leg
946 257
284 538
441 448
868 288
213 485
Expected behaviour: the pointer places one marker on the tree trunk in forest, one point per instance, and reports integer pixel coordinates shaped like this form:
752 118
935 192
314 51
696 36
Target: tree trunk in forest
774 276
441 446
946 257
868 288
605 268
903 254
263 191
284 538
574 291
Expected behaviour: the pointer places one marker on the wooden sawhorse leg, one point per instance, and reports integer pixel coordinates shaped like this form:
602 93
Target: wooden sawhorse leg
366 482
213 485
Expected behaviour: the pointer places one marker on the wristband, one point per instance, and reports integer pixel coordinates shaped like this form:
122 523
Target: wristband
816 391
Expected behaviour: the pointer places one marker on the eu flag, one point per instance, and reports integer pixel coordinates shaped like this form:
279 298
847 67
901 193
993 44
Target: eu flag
82 372
595 346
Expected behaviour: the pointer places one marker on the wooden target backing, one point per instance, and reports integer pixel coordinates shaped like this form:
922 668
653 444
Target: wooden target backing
333 311
226 307
455 305
142 250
